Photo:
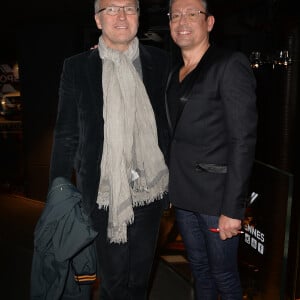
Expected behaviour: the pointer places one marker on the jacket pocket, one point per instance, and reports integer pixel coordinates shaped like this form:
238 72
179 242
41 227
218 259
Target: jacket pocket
211 168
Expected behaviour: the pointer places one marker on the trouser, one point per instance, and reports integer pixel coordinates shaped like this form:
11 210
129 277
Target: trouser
213 261
125 268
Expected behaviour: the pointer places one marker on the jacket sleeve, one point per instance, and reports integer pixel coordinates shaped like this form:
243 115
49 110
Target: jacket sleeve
239 100
65 139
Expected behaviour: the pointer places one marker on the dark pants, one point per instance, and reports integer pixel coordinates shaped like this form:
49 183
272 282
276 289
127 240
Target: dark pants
125 268
213 261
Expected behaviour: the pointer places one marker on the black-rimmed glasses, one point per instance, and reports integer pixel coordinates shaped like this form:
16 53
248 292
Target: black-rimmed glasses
191 14
115 10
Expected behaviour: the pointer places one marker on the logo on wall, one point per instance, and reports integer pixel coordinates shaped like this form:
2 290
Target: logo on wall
253 236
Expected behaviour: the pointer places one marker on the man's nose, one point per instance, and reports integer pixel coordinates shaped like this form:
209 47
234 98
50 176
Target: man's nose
183 18
121 13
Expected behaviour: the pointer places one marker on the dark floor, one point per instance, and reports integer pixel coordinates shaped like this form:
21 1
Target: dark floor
18 216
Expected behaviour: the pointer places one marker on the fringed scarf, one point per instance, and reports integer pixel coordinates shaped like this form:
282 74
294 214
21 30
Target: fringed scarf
133 170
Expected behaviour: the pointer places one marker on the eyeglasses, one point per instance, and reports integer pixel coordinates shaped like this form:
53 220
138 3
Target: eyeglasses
115 10
191 14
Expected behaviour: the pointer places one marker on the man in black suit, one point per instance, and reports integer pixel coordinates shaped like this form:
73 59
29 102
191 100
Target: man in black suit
111 129
211 106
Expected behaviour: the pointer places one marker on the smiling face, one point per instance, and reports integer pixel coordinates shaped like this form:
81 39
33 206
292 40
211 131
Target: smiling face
119 30
190 33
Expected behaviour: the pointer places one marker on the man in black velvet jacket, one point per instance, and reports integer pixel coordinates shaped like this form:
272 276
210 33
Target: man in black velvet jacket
112 130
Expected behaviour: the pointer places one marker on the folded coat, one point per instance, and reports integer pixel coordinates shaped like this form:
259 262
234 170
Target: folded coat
64 254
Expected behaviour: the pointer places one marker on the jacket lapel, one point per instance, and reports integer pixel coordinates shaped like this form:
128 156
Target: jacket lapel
188 89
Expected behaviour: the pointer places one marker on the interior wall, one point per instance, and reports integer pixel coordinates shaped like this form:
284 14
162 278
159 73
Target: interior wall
42 49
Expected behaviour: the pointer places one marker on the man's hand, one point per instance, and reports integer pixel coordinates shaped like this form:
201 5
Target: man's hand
229 227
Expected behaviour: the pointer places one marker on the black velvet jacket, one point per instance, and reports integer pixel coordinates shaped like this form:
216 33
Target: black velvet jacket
78 136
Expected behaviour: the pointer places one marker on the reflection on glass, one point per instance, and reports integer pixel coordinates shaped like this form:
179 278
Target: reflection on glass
279 58
283 58
255 59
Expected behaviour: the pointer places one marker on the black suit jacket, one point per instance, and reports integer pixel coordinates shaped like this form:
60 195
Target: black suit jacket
78 135
213 145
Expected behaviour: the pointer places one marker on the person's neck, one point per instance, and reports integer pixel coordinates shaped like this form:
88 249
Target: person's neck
120 47
191 58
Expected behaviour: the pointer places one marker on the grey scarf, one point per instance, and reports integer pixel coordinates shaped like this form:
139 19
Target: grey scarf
133 170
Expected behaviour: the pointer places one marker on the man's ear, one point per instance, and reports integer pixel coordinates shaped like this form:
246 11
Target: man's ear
210 23
98 21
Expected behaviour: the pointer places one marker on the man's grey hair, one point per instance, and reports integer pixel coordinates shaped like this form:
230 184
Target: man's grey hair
204 2
97 5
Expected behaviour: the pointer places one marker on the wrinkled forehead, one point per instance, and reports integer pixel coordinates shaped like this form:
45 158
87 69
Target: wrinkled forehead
104 3
184 4
118 2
